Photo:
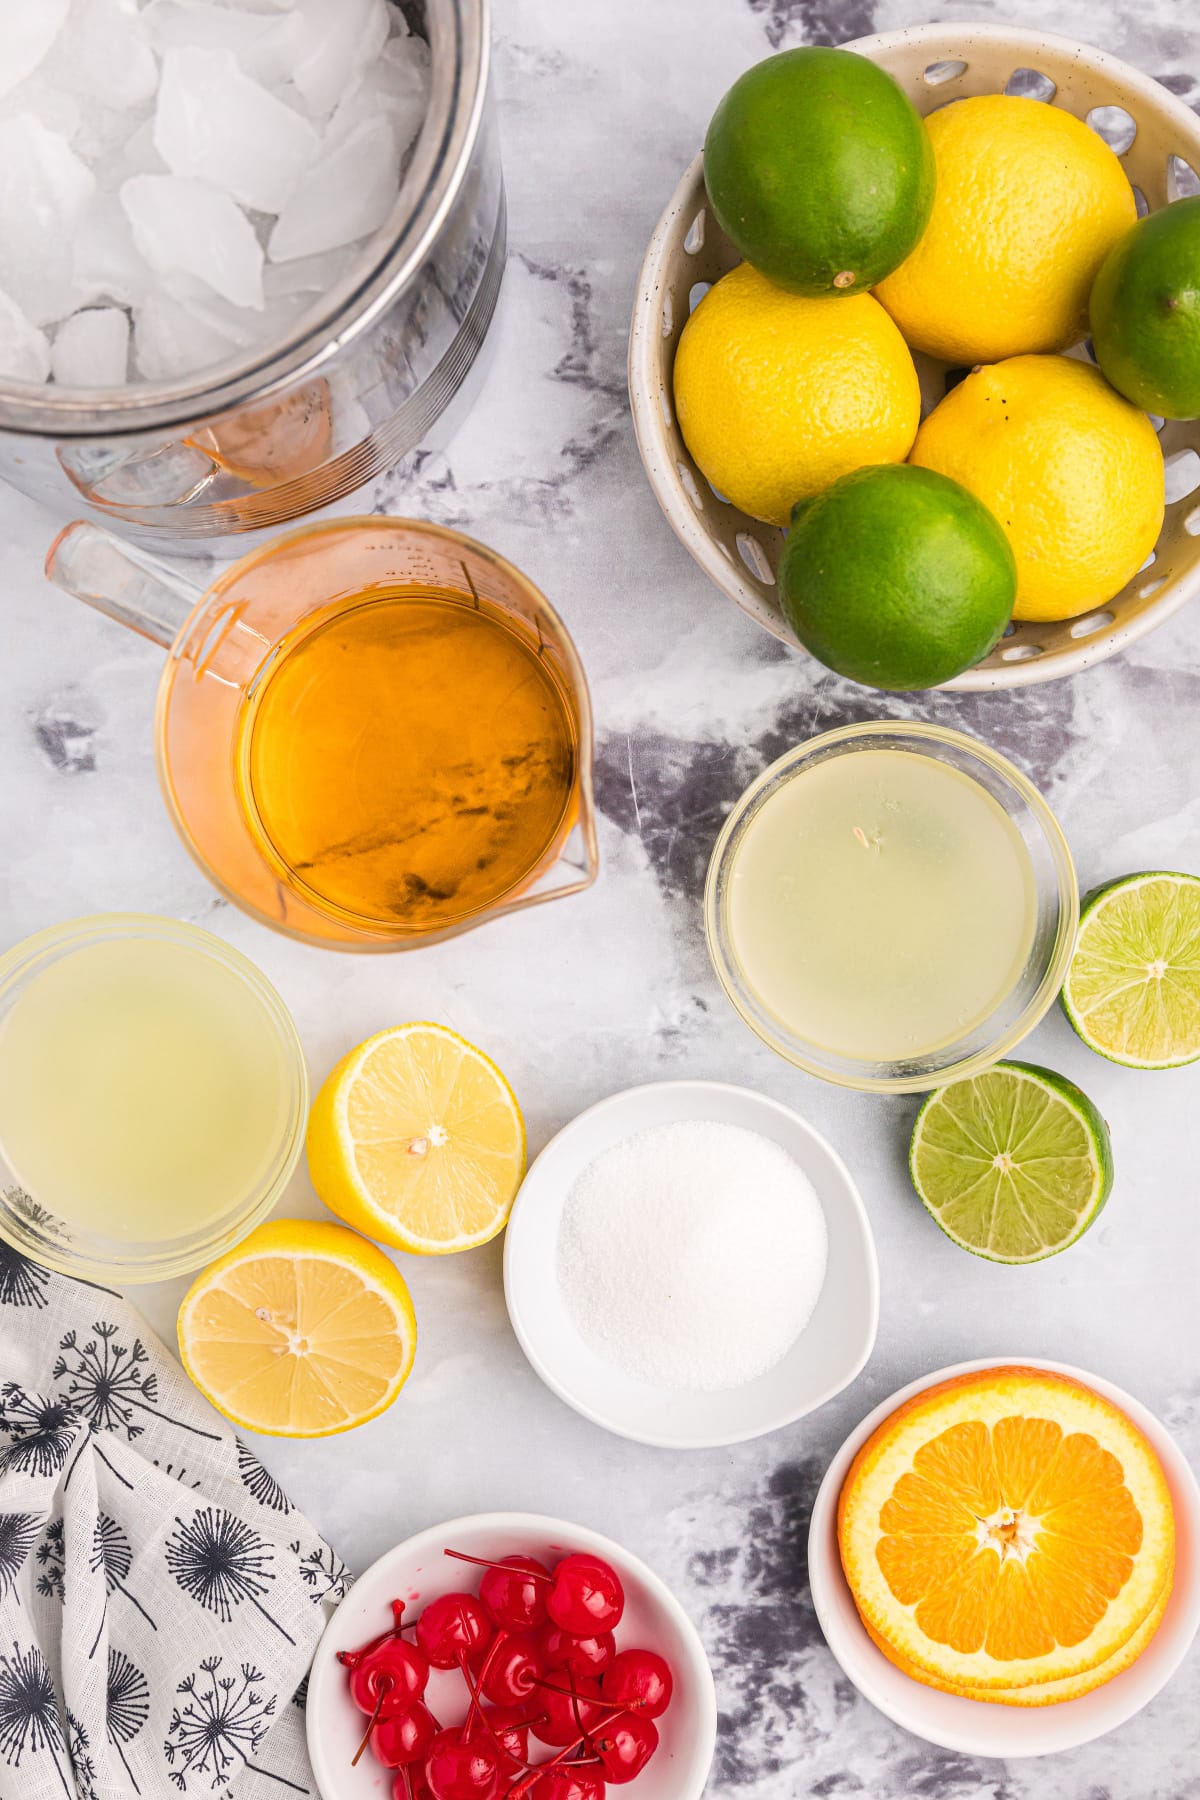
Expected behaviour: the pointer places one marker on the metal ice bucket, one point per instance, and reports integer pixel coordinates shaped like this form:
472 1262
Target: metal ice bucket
288 428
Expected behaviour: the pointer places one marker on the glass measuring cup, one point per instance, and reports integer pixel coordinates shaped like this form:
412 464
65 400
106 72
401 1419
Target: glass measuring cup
226 649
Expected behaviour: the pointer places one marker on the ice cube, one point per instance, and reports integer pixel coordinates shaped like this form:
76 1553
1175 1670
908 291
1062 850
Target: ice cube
241 326
44 189
138 155
168 340
24 350
396 86
265 43
106 54
27 30
57 111
346 194
91 349
108 264
214 123
306 275
189 227
335 41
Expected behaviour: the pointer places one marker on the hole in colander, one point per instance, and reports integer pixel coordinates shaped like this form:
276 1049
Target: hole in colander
1009 629
1117 127
755 558
696 294
695 236
688 483
718 495
1182 179
1151 587
668 315
1182 474
1147 562
937 72
1021 653
1192 523
1031 84
726 552
1141 202
1091 624
665 406
1157 421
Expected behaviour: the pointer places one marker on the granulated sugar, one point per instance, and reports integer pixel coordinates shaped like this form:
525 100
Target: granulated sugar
692 1255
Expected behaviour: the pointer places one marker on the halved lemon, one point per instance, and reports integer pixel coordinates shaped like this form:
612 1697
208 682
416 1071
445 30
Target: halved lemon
1006 1529
416 1139
303 1330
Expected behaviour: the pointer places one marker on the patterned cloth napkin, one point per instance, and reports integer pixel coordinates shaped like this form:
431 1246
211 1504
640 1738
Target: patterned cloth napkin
160 1600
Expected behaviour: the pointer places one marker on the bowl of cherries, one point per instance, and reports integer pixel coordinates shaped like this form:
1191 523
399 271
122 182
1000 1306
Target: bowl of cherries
508 1656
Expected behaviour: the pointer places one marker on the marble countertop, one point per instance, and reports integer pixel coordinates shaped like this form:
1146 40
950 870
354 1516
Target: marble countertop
601 106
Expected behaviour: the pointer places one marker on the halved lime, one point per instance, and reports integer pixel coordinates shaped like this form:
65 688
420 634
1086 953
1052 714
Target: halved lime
1133 989
1014 1164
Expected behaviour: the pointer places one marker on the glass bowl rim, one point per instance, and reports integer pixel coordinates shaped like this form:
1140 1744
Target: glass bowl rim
175 1258
807 1057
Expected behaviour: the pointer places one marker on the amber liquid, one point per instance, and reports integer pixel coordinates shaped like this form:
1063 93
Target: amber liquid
407 758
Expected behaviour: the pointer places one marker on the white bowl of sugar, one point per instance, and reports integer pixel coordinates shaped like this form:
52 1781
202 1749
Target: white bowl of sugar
690 1264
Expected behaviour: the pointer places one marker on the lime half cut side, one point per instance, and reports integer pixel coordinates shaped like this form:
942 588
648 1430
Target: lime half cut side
1014 1164
1133 988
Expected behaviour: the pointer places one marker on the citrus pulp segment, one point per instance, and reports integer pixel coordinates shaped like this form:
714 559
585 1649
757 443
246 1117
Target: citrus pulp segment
1133 988
1013 1164
416 1139
1004 1529
303 1330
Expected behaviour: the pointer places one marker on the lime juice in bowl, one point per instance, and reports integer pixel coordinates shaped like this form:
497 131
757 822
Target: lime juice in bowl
890 906
153 1095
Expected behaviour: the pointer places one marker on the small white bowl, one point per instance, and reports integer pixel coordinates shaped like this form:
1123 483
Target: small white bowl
416 1571
973 1727
823 1360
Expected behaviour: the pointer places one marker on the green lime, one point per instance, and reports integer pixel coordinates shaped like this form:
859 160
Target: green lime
1145 312
897 577
820 169
1133 988
1014 1164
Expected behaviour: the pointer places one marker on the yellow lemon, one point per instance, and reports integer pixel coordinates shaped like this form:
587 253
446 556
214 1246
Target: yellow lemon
303 1330
417 1139
1029 202
1073 472
778 395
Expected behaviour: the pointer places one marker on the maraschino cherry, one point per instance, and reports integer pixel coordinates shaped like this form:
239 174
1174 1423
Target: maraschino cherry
585 1595
570 1706
581 1655
509 1730
512 1590
454 1631
512 1669
625 1746
461 1768
404 1737
568 1784
640 1681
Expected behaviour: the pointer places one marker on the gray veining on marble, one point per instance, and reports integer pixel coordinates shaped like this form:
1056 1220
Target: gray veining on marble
602 104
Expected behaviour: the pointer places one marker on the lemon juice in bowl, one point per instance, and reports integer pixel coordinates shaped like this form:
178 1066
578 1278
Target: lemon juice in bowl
152 1096
891 904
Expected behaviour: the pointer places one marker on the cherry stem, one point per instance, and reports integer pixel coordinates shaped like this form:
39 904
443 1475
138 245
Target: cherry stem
483 1562
476 1705
385 1688
350 1659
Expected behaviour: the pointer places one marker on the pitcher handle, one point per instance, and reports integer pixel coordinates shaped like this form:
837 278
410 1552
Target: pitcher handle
119 579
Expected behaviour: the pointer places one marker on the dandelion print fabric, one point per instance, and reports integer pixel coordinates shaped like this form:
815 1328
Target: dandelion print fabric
160 1598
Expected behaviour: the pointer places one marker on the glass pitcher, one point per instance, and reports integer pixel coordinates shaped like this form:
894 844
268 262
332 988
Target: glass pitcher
286 718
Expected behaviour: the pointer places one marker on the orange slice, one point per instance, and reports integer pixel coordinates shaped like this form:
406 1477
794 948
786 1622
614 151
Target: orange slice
1046 1693
1006 1529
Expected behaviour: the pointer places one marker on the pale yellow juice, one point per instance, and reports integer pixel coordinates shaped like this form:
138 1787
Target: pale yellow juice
144 1089
881 904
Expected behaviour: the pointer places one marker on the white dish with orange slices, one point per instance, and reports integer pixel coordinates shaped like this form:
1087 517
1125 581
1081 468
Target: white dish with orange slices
1039 1724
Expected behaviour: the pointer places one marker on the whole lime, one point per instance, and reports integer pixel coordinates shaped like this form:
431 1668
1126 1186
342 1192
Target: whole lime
897 577
820 170
1145 312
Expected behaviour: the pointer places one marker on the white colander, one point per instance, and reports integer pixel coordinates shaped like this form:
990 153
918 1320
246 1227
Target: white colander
1158 140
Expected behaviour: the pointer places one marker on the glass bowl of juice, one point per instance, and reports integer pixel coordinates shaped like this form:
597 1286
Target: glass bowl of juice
153 1097
891 906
